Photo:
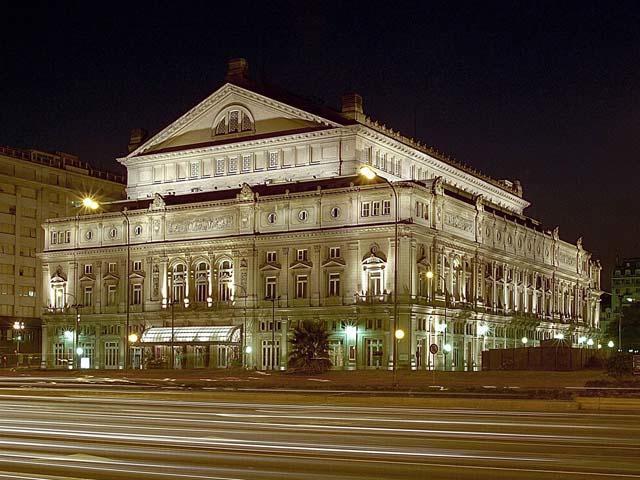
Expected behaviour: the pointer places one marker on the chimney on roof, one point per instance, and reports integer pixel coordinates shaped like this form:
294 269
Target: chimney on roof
137 138
352 106
237 70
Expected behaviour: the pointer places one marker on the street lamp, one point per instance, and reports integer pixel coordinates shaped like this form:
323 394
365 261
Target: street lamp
244 323
18 328
430 274
92 204
172 303
273 299
524 340
370 174
610 344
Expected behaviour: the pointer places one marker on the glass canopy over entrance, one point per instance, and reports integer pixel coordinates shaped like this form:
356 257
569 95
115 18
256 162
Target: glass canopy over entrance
192 335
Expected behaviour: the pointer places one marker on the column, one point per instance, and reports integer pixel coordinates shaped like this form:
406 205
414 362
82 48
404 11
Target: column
352 281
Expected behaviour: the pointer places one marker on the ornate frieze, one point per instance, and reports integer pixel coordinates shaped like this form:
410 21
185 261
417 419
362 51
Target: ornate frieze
200 225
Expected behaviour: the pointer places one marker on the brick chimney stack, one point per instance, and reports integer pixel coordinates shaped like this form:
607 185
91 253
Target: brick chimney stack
352 106
237 71
137 138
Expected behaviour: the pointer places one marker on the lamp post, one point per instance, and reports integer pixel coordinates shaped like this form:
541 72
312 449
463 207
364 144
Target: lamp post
244 324
75 306
91 204
430 275
273 299
368 173
18 328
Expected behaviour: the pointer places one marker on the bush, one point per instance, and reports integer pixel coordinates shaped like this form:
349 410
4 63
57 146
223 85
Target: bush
620 364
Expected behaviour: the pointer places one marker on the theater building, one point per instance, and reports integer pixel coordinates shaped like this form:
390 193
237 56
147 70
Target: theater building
251 213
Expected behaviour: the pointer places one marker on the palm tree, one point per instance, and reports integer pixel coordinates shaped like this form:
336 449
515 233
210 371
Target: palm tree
310 347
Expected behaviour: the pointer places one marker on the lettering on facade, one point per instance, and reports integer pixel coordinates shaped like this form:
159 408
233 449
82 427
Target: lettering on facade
458 221
199 225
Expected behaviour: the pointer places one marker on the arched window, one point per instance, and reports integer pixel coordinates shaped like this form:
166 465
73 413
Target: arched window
373 267
202 282
225 280
234 119
179 282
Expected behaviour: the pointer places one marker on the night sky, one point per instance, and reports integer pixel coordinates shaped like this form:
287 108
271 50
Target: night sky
543 92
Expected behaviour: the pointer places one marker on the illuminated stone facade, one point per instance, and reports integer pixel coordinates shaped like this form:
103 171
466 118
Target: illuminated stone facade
250 206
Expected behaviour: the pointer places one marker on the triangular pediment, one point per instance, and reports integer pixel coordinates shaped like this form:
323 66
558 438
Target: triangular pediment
87 278
270 267
300 265
136 275
198 127
334 262
111 276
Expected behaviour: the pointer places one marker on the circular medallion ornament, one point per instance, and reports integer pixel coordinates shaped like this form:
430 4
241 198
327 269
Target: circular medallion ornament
303 215
334 212
88 235
271 218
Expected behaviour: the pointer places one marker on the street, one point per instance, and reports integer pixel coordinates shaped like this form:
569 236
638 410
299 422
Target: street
114 435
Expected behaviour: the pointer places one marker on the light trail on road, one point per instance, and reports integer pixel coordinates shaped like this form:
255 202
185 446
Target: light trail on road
113 436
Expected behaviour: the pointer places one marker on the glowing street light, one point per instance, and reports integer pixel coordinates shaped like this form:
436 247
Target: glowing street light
447 347
610 344
248 349
399 334
133 338
590 342
79 351
483 330
559 336
524 340
90 203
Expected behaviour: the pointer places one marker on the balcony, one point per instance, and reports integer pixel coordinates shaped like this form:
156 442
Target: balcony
383 298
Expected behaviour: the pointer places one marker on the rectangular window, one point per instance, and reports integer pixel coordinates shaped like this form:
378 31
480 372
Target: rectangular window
301 286
375 209
67 236
386 207
111 268
137 266
88 296
111 295
273 160
365 209
220 166
194 169
272 257
233 164
246 163
303 255
136 294
334 252
270 287
54 238
88 269
201 292
334 284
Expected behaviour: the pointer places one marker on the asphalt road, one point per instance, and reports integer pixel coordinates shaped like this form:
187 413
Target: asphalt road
109 435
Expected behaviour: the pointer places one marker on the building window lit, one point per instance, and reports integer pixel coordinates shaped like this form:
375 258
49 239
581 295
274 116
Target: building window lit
179 279
301 286
111 267
136 297
202 282
386 207
270 287
88 297
137 266
225 280
111 295
334 284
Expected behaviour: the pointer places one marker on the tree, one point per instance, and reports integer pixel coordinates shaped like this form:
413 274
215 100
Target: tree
630 327
310 348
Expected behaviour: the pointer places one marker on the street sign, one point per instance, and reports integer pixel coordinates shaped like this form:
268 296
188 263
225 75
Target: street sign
433 348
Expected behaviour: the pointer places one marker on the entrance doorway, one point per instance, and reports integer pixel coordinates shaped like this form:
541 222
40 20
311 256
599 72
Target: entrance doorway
374 352
270 355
